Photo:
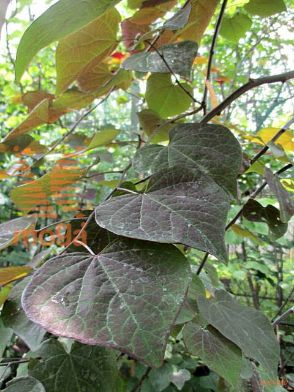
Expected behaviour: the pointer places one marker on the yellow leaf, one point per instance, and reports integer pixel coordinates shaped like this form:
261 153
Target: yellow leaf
88 46
37 193
212 94
286 140
199 60
3 175
288 183
246 233
200 15
10 274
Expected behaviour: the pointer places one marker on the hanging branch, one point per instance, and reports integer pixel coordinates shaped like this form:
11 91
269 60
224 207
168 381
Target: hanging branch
283 316
237 216
252 83
211 52
274 139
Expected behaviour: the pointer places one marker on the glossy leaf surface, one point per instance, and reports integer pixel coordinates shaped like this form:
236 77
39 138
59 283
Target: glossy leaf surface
92 369
99 299
246 327
210 148
180 206
179 58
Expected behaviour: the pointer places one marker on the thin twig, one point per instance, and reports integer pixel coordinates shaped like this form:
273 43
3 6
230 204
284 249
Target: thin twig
72 129
137 387
237 216
211 52
275 138
283 316
86 247
252 83
285 303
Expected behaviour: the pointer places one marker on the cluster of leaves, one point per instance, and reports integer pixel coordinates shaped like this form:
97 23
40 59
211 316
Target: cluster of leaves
124 305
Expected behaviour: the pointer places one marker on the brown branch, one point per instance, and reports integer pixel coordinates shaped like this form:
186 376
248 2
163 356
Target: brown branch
252 83
239 214
72 129
288 299
137 387
275 138
284 315
211 52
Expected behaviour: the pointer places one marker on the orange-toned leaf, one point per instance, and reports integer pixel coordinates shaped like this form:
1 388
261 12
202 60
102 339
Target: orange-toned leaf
212 94
39 115
10 274
33 98
37 193
201 13
85 47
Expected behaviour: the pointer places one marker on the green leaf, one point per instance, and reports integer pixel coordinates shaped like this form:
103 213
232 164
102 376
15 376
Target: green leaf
88 47
219 353
246 327
5 337
165 98
178 56
37 193
10 232
179 206
235 27
154 126
14 317
24 384
127 297
286 200
199 18
60 20
255 212
84 368
103 136
265 8
210 148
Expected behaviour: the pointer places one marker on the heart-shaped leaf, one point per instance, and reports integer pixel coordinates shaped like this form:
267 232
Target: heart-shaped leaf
126 297
235 27
165 98
83 368
10 232
219 353
213 149
24 384
246 327
180 206
178 56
